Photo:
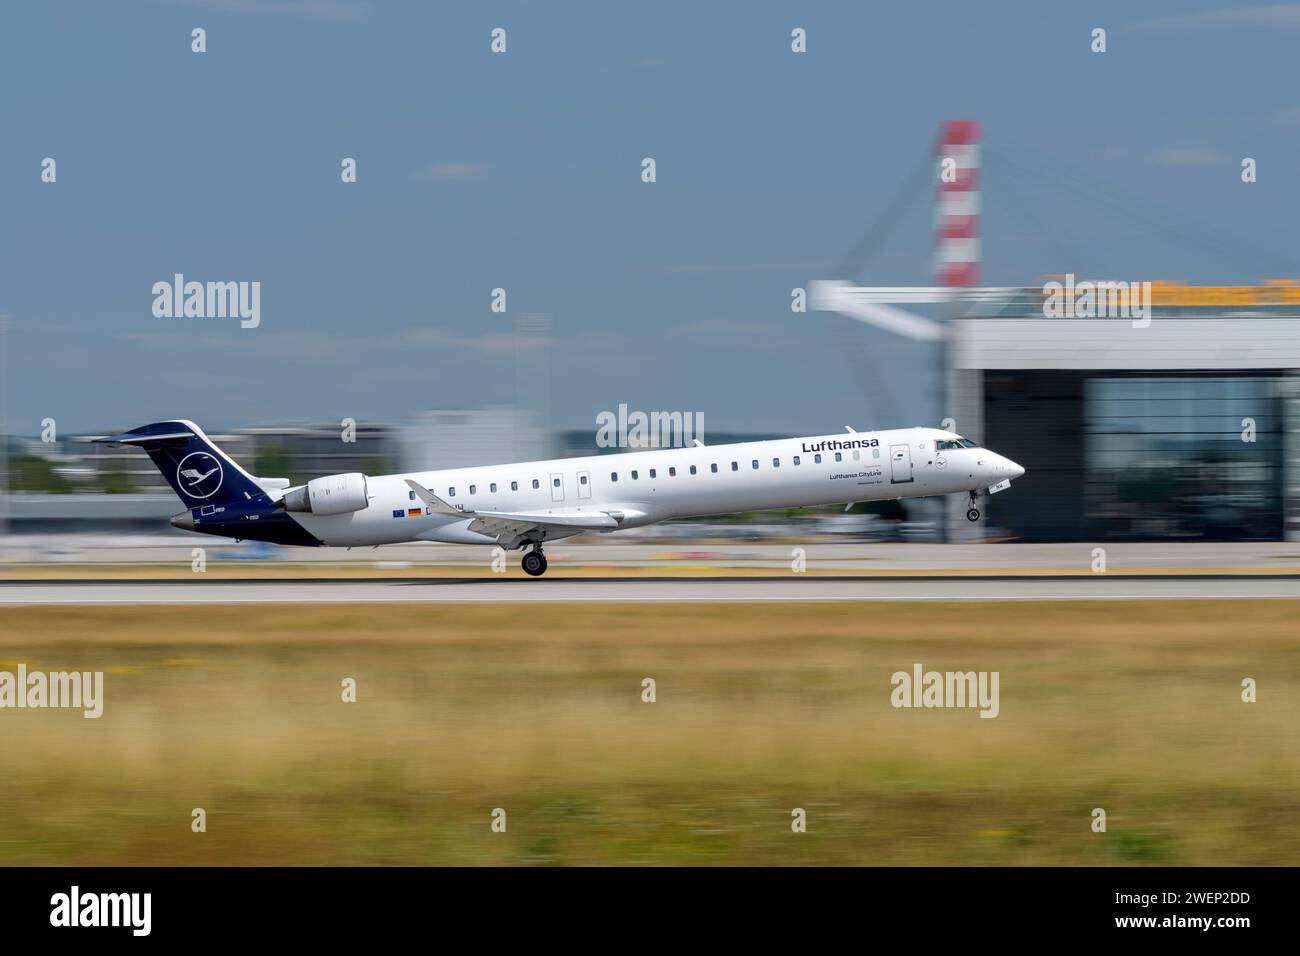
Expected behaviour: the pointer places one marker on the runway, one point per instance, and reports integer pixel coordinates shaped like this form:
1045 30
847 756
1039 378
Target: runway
623 590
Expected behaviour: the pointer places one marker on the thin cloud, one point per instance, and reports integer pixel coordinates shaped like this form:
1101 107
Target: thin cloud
723 330
443 172
493 342
726 268
1272 16
338 11
1186 157
282 345
315 346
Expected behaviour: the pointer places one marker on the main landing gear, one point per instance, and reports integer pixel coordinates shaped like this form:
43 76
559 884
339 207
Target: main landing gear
972 513
534 562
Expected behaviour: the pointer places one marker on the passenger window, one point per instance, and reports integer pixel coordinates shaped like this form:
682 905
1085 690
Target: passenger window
411 495
735 466
796 459
514 486
652 472
672 472
536 483
493 487
582 479
857 455
817 459
776 462
692 469
634 474
555 482
754 464
473 489
875 453
713 468
451 492
613 476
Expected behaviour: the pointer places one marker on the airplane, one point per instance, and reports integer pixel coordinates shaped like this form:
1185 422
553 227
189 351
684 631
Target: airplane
528 504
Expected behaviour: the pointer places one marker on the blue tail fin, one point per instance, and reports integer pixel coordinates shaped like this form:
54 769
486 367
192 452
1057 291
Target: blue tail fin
199 472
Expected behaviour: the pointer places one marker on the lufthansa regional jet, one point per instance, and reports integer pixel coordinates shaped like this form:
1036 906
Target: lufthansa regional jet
529 504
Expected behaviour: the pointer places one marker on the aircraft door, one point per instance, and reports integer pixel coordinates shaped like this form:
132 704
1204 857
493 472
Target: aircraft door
557 487
900 464
584 484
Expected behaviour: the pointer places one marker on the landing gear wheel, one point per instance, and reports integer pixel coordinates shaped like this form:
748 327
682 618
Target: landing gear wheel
534 563
973 515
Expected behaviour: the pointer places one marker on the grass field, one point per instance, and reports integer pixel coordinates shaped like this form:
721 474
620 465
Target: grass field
1132 707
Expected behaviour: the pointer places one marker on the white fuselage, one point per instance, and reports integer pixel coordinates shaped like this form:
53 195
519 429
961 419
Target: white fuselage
643 487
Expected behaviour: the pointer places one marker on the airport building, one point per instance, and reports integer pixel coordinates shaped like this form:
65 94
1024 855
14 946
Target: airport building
1183 427
1181 422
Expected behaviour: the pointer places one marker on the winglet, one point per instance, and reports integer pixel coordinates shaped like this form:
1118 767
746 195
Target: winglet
433 501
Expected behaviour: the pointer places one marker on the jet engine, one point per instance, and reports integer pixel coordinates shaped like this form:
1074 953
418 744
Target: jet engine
331 495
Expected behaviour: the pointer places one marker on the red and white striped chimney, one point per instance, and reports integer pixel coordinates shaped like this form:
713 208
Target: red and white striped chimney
957 204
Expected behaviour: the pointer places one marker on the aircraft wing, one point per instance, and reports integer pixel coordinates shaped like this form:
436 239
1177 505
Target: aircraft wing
484 521
511 527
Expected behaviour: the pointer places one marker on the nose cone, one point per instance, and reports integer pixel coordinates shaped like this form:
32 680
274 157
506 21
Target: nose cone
1014 470
184 521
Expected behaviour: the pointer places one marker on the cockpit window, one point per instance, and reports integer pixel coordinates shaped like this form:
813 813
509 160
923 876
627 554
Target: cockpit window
945 444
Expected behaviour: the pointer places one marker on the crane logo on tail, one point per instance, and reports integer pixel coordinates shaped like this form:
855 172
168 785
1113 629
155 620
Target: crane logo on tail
199 475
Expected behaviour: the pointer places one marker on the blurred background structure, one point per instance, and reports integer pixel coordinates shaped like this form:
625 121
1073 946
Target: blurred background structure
1181 424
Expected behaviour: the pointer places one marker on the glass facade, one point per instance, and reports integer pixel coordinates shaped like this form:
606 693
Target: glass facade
1186 456
1140 456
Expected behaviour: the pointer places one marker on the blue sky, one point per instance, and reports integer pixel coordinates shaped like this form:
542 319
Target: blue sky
522 171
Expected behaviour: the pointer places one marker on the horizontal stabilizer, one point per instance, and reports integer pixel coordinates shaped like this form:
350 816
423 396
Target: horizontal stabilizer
271 485
134 438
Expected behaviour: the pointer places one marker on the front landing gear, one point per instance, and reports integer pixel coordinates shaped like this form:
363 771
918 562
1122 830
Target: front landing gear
972 513
534 562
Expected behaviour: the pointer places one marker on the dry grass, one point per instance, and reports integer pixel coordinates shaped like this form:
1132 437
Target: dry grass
1129 706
